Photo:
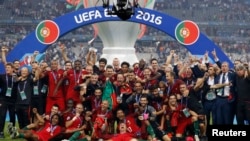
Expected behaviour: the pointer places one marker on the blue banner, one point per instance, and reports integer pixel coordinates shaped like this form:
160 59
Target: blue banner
83 17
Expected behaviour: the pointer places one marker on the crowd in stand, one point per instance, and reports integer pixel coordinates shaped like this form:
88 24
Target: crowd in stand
229 12
216 10
220 11
233 41
122 101
34 9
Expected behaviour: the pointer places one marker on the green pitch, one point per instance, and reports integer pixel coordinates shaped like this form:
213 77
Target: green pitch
7 136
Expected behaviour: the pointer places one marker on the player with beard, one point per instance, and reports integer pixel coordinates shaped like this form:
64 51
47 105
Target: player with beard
77 123
179 116
159 105
139 70
55 87
75 79
103 119
67 66
122 88
146 119
94 100
87 90
173 85
50 130
156 70
133 100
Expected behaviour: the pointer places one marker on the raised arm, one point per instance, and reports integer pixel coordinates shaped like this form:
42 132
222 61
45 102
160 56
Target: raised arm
37 73
63 52
169 58
91 58
4 52
33 57
216 59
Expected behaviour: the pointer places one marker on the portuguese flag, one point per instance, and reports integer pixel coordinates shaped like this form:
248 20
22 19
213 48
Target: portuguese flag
47 32
109 95
187 32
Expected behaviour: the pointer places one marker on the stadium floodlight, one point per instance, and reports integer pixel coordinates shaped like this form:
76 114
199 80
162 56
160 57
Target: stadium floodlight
122 8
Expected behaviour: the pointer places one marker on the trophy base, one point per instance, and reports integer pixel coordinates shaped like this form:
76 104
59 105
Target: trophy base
122 53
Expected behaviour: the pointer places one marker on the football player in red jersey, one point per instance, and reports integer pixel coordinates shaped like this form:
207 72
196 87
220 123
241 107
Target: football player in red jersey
50 130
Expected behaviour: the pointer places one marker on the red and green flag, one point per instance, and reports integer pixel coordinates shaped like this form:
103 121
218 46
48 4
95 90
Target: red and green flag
187 32
110 95
47 32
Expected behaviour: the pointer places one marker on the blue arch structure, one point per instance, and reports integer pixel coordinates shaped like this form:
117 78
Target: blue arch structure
83 17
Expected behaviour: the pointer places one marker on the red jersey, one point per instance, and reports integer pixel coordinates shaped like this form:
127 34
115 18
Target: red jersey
95 103
131 84
67 115
138 72
75 78
178 119
65 86
49 131
150 83
54 78
99 121
157 103
123 87
122 137
126 89
131 125
102 114
176 115
77 123
102 79
47 117
174 88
